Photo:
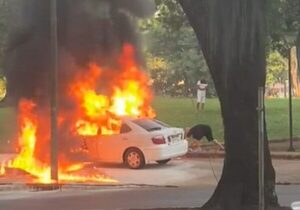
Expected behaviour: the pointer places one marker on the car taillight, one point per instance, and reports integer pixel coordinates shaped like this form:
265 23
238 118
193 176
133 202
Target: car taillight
158 140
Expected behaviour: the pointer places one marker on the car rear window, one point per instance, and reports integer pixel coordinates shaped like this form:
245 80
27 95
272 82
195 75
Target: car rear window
162 123
150 125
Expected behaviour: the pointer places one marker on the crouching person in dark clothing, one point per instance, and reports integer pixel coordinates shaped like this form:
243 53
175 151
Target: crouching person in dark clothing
197 132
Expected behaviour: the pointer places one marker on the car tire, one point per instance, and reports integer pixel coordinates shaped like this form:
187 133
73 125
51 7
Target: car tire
134 159
162 162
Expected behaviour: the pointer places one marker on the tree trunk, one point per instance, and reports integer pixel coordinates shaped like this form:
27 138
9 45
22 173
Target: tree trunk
231 34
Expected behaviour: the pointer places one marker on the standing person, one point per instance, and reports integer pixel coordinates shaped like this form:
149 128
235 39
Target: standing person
201 93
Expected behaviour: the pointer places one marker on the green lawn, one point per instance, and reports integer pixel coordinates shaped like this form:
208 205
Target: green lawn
277 115
181 112
8 128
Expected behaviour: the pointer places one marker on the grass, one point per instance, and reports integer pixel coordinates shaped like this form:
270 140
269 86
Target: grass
8 128
277 116
181 112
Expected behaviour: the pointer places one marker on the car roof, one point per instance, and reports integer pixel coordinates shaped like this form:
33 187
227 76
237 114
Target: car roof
129 118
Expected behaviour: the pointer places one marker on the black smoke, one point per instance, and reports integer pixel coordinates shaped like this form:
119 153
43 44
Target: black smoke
88 30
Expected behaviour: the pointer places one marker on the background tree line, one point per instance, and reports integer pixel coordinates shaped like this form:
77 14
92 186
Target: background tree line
175 60
3 36
3 29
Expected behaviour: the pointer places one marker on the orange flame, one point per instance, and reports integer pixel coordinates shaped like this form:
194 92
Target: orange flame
101 96
129 95
2 169
27 140
26 159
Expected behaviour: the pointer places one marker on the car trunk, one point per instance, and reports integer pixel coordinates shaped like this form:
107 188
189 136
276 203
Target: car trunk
173 135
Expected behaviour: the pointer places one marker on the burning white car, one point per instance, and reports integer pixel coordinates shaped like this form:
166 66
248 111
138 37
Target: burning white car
140 141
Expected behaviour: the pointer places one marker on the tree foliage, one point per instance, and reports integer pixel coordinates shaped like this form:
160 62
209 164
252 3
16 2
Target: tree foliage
158 68
284 32
3 28
283 24
170 38
2 87
277 68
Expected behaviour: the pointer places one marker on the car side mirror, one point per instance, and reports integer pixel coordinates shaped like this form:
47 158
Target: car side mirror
3 89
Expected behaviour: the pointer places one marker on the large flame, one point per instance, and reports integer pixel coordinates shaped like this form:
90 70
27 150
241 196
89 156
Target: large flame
101 97
128 95
27 143
26 159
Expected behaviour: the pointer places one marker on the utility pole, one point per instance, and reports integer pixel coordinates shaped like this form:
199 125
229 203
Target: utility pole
291 147
53 90
261 149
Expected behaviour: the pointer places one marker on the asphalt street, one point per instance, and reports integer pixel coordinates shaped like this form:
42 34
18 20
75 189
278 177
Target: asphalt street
120 198
184 182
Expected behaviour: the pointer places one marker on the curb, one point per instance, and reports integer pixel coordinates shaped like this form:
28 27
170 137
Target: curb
221 154
286 155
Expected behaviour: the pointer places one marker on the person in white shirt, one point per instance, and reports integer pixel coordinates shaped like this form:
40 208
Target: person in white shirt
201 93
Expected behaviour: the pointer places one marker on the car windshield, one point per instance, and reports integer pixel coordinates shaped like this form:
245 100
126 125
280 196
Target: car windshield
150 125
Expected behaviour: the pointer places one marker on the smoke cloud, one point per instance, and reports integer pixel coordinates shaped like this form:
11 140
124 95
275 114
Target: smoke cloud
90 30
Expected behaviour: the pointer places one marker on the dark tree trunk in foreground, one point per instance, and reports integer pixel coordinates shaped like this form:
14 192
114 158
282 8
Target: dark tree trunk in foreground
231 34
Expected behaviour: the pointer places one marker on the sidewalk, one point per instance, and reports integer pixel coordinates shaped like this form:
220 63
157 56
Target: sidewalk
221 154
278 151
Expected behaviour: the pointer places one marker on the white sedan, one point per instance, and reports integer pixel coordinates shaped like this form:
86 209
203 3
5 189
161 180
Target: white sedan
140 141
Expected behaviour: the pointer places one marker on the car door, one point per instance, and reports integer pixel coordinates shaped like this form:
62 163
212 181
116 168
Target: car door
112 147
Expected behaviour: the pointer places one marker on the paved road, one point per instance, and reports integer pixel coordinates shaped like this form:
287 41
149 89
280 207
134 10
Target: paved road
120 198
179 172
190 181
137 198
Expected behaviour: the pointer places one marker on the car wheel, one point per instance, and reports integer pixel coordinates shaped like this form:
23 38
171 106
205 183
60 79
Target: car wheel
134 159
162 162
